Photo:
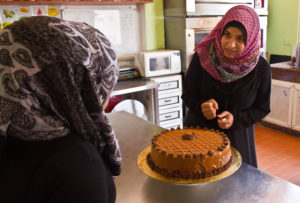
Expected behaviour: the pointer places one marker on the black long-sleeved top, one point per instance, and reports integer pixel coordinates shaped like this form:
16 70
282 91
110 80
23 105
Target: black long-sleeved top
248 99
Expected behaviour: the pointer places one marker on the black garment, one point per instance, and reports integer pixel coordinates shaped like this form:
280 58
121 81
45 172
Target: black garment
67 169
248 99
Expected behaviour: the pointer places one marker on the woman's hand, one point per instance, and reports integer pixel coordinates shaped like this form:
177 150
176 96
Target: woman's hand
225 120
209 109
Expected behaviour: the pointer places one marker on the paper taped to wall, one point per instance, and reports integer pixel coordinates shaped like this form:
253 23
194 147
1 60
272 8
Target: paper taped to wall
119 23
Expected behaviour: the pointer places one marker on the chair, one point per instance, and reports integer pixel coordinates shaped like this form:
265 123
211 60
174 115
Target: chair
279 58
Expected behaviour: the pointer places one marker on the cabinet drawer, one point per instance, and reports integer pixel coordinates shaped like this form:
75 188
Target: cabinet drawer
168 85
169 107
169 100
169 115
168 92
171 124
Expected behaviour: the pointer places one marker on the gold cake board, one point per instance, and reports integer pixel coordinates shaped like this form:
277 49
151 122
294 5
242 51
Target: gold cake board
143 165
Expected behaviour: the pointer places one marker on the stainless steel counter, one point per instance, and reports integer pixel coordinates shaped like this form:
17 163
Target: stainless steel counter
247 185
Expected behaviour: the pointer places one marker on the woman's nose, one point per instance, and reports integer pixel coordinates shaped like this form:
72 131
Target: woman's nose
232 43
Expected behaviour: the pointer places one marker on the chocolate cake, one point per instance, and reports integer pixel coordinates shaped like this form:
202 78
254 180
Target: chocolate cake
190 153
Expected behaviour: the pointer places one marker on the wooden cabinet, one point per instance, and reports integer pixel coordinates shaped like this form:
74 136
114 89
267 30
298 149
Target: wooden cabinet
75 2
285 105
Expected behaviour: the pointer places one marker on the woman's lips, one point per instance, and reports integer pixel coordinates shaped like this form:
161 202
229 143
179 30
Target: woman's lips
229 51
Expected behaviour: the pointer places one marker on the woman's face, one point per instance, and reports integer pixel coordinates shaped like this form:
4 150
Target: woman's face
233 42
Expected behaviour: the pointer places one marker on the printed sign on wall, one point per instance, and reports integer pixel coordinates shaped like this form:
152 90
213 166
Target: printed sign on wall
9 14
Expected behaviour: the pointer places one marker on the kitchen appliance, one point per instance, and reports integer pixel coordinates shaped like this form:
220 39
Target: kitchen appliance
201 7
187 22
158 62
185 33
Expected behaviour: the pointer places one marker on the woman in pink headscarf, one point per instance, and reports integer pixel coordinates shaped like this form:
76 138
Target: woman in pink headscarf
227 85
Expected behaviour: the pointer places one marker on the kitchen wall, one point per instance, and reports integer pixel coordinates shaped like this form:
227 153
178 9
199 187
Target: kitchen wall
283 26
150 16
154 19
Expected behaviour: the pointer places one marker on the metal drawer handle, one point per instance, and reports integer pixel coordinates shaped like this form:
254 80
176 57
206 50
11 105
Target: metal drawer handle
168 100
168 116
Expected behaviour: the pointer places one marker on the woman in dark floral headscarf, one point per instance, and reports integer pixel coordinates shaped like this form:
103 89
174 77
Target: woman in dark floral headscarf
56 77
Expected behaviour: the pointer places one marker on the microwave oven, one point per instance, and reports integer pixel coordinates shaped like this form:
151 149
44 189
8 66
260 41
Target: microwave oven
189 32
158 62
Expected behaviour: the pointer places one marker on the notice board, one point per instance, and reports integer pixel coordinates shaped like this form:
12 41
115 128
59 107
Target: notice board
119 23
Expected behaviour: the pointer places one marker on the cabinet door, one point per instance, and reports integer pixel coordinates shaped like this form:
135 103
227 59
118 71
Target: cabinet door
281 103
296 108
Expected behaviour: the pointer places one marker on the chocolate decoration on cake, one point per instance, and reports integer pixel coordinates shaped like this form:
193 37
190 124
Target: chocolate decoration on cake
210 153
187 156
188 136
202 156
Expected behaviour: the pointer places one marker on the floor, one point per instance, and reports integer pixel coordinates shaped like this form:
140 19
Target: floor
278 153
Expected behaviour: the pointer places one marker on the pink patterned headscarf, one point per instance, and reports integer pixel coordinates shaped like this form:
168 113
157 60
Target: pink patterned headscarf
210 50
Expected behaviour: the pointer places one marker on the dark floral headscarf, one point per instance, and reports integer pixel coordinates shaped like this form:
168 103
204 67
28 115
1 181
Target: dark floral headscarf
55 77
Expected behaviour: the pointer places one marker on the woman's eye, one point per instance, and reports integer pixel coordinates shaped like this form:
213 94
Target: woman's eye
241 39
227 34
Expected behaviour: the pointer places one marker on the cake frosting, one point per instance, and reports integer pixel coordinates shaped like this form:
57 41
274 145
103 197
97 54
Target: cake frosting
190 153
